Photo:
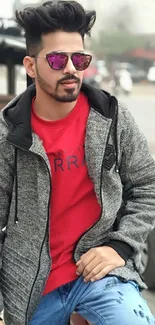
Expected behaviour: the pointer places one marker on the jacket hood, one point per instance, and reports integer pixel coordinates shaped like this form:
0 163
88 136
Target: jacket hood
17 113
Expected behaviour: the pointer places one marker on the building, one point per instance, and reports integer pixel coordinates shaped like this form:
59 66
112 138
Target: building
12 50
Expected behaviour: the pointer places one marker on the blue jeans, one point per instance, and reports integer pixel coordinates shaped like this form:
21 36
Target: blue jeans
105 302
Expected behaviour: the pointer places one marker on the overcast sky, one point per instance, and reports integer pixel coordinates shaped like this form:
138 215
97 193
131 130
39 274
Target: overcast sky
6 8
144 10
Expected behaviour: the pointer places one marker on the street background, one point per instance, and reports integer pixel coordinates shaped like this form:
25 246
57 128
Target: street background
123 38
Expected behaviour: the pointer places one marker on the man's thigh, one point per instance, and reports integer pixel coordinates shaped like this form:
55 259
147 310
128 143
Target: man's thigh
112 302
50 311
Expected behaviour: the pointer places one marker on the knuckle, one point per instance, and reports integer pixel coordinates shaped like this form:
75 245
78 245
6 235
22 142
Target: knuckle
93 273
95 277
85 273
87 269
82 264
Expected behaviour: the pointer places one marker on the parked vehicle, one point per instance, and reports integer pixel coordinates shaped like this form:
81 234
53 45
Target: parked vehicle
151 74
102 70
121 82
91 75
136 73
148 261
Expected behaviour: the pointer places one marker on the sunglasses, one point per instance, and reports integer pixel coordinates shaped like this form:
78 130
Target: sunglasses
59 60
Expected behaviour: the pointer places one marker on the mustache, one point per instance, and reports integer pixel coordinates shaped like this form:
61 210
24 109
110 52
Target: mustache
69 77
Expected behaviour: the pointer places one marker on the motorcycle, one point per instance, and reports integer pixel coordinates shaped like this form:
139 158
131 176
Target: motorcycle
122 83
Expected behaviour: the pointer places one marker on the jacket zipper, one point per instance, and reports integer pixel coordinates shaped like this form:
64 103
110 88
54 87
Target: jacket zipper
26 321
46 231
101 182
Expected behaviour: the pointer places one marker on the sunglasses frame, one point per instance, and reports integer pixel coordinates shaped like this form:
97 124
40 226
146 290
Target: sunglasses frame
68 55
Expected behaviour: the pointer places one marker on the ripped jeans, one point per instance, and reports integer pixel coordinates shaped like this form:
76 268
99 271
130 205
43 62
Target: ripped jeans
105 302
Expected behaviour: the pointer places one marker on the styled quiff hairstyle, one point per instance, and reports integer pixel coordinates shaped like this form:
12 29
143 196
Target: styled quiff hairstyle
51 16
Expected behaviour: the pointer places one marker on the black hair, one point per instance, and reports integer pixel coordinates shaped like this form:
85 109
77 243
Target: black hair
51 16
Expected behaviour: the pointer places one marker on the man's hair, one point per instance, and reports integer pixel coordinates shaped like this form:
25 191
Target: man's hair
51 16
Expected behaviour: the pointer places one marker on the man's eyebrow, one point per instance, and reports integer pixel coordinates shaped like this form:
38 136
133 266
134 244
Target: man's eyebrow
62 51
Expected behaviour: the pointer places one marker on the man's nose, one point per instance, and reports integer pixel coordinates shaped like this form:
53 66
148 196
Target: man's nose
69 69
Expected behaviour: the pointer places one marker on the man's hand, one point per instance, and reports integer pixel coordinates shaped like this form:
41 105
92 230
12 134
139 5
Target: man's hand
98 262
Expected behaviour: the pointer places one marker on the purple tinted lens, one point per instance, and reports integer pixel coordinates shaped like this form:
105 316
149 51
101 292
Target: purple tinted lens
57 61
81 61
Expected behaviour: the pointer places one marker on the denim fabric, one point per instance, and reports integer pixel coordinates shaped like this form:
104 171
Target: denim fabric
105 302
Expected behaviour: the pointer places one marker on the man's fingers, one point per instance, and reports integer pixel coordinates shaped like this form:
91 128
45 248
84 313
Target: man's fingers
90 267
84 266
85 261
102 273
98 262
91 272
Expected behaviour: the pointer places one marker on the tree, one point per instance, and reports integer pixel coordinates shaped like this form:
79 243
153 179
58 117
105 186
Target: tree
112 44
118 36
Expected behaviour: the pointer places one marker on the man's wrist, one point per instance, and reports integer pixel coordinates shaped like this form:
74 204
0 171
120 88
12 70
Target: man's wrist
122 248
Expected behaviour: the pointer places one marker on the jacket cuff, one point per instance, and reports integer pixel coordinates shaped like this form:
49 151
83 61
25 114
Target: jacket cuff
122 248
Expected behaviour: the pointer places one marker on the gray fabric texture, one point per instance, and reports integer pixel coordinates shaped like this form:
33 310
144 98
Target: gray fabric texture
128 196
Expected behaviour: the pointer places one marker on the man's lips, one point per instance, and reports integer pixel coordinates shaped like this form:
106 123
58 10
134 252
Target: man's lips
69 82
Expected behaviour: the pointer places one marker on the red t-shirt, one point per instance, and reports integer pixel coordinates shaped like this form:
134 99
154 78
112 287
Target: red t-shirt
74 206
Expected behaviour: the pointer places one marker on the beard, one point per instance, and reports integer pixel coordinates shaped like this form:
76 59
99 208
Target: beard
70 95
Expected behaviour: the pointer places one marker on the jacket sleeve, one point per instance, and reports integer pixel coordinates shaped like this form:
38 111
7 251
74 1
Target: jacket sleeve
137 172
6 185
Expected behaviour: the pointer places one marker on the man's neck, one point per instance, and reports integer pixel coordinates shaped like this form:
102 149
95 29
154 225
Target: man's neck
50 109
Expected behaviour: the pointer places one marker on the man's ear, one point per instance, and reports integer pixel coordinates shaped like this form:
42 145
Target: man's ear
29 65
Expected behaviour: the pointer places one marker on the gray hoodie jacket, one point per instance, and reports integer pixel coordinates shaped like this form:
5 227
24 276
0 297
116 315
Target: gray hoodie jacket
123 174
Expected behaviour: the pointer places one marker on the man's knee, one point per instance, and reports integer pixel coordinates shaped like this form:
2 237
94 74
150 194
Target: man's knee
129 313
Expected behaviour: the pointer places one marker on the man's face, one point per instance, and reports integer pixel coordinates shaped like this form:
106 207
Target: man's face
62 85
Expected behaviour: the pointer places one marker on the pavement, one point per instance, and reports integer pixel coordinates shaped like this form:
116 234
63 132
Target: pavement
149 296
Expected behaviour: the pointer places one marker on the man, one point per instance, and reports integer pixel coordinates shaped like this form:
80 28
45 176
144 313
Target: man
77 186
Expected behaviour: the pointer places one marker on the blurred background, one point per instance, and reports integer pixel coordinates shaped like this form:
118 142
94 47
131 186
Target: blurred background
123 49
